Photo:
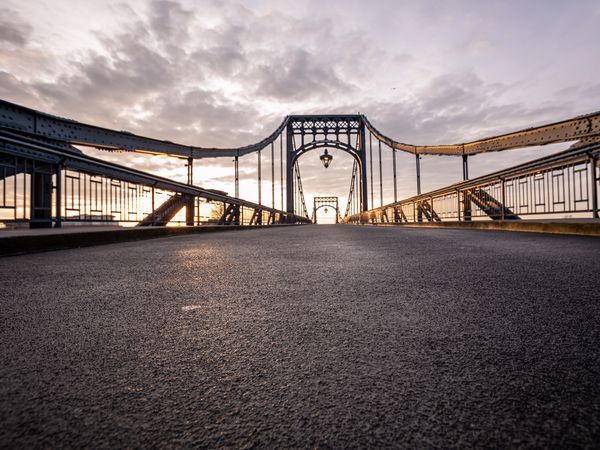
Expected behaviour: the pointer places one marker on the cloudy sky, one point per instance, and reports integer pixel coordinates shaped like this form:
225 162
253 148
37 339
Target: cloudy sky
214 73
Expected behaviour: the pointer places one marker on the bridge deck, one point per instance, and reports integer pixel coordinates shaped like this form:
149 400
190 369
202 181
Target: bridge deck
307 336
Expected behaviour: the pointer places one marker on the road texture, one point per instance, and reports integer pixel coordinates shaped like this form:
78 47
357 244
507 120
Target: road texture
305 337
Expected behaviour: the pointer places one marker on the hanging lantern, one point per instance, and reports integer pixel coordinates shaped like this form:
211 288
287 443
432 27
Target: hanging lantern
326 158
325 210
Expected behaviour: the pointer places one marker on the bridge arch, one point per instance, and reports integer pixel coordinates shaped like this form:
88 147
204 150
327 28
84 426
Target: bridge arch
342 132
339 145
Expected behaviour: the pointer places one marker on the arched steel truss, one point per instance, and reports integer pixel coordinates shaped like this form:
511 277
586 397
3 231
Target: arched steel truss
326 144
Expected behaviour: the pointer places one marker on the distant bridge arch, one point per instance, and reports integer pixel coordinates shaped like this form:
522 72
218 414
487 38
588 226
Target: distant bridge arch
326 202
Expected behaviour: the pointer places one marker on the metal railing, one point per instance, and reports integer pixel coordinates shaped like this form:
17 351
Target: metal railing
45 183
566 184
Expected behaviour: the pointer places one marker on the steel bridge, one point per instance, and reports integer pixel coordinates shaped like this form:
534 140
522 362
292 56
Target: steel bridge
332 336
47 181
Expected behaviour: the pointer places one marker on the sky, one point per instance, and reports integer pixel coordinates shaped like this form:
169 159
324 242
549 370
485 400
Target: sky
214 73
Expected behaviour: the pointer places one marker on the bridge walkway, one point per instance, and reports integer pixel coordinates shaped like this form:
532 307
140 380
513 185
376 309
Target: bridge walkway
324 336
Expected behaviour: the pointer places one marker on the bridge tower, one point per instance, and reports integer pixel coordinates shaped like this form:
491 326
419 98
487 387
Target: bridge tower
310 132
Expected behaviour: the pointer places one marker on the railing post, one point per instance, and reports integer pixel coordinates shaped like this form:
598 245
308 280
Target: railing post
41 196
281 169
153 209
503 200
594 186
190 170
190 211
273 174
259 180
289 177
236 168
431 208
467 206
362 150
371 165
395 183
380 177
418 174
58 223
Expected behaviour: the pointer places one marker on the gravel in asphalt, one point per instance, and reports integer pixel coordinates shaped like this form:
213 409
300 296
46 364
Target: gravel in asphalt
304 337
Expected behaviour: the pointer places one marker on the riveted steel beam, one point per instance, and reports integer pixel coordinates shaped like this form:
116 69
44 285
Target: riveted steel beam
584 129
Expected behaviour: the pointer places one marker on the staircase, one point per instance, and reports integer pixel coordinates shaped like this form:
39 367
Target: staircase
427 210
165 212
488 204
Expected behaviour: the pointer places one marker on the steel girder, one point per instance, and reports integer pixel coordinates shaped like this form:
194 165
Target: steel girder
585 129
29 121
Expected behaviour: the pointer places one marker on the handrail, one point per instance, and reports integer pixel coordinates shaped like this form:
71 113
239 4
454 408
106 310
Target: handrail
93 165
569 156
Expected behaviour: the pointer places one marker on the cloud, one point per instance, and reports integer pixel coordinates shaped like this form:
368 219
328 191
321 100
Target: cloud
298 75
13 30
203 116
459 107
169 21
101 84
156 77
14 89
224 61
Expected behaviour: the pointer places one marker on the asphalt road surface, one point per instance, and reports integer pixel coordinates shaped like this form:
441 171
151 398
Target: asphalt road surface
305 337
